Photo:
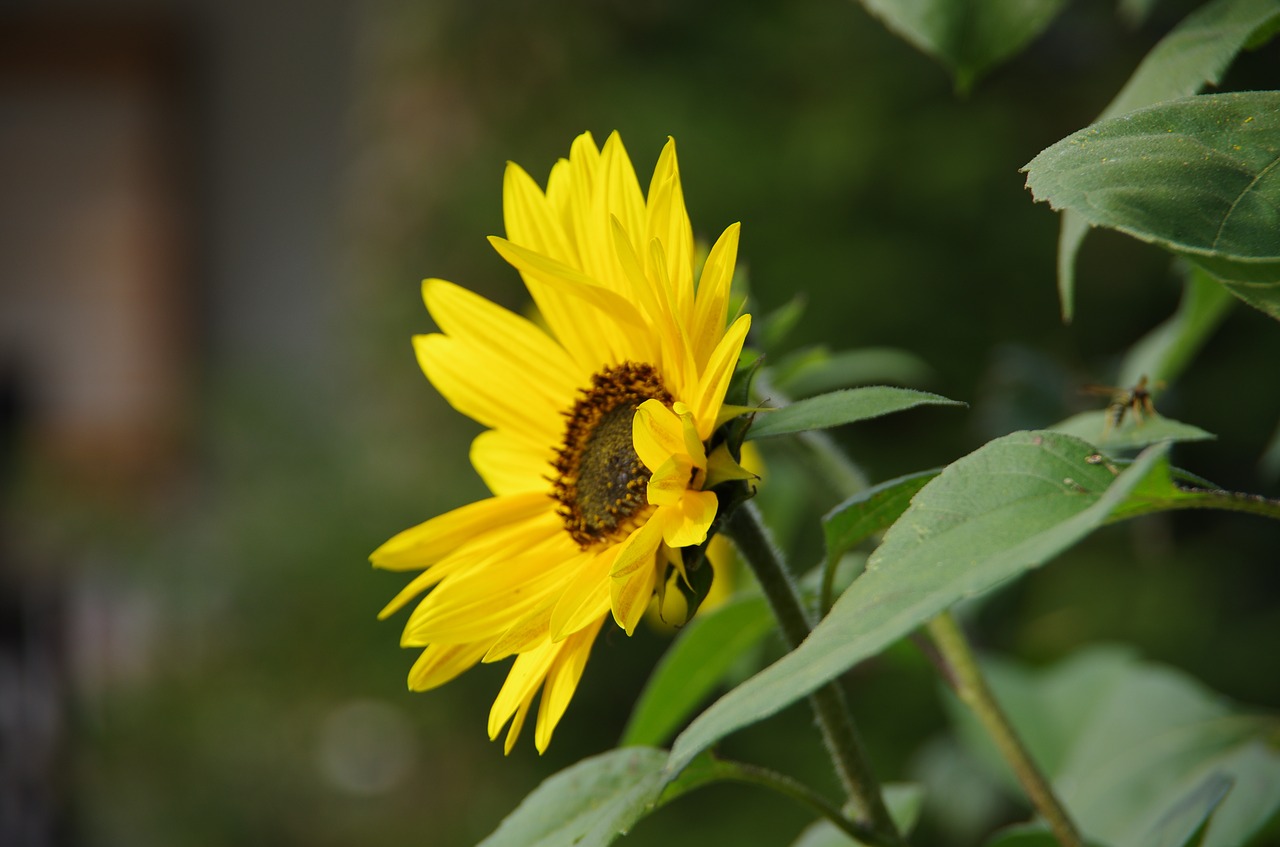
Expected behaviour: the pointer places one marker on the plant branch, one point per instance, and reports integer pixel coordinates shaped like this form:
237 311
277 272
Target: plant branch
796 790
960 669
843 742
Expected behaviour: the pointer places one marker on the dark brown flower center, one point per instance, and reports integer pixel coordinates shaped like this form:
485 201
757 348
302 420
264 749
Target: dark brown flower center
600 481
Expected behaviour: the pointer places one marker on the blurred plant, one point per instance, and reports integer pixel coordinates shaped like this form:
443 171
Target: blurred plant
1106 749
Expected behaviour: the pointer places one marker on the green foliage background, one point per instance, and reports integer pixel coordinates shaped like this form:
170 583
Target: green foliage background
862 180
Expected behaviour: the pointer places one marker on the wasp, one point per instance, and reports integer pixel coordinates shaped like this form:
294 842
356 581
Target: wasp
1135 401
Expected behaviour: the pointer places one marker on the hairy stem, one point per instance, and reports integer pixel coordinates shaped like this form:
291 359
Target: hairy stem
960 670
843 742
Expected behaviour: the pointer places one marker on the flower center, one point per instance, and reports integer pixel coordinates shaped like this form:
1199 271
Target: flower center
600 481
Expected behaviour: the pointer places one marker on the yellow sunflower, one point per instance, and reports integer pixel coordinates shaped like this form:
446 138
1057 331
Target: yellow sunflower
596 451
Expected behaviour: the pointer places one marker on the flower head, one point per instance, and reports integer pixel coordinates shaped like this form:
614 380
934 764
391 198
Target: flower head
596 447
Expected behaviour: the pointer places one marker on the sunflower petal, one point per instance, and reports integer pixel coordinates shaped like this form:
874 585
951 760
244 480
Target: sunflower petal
526 674
667 221
481 603
432 540
477 385
531 630
670 482
633 574
440 663
507 465
527 349
585 598
657 434
562 681
715 379
686 524
712 305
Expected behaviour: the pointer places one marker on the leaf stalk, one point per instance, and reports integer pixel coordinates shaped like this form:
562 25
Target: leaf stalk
960 669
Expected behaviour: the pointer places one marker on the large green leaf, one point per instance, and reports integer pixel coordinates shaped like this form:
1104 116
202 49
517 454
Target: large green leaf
1011 505
968 36
703 654
1140 754
841 407
588 804
598 800
1196 176
1196 53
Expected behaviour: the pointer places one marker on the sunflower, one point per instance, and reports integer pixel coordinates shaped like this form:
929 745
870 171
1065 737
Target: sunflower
596 450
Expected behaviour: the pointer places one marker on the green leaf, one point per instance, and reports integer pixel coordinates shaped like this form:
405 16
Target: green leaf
1159 492
1196 176
1196 53
1164 353
1185 821
904 801
1141 754
702 656
1130 434
841 407
1011 505
968 36
1263 297
816 370
588 804
870 511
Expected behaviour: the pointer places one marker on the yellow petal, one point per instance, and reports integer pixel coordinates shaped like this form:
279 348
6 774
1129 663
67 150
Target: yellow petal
715 379
621 189
686 523
526 674
692 442
619 323
631 592
428 542
657 434
440 663
667 221
517 724
562 681
670 482
530 631
712 304
586 597
531 219
507 464
484 391
479 551
481 603
634 575
525 348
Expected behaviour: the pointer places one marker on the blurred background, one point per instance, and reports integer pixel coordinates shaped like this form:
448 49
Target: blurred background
214 218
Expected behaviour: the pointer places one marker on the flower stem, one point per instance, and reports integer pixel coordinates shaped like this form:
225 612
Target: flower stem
960 670
789 787
843 742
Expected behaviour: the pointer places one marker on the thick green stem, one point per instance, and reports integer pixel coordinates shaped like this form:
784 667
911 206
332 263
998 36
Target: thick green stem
961 671
844 744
